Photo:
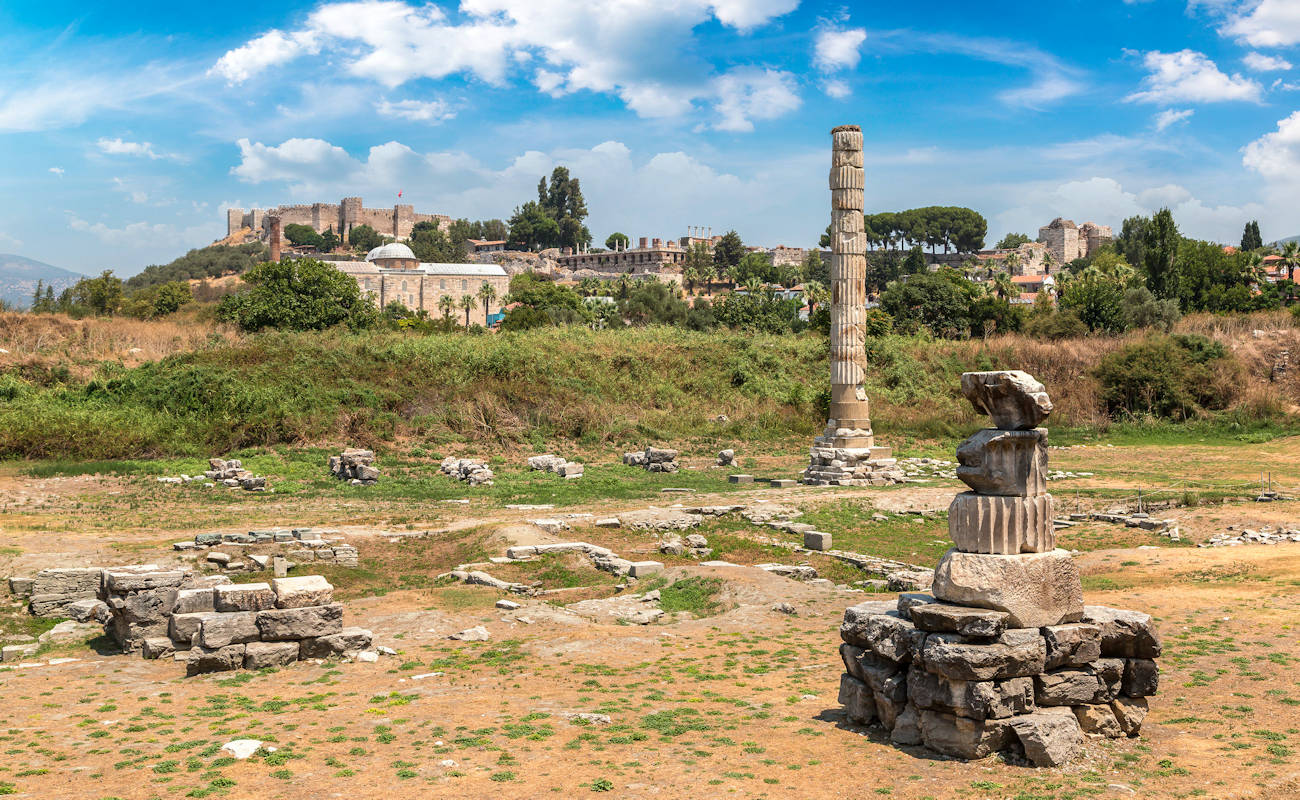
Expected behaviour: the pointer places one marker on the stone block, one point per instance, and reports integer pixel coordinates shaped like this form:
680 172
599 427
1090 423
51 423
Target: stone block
1050 736
1098 720
217 630
1141 677
659 455
909 600
962 737
1124 634
945 618
87 610
1012 398
1072 686
570 470
1129 712
909 580
1035 589
182 628
1074 644
888 635
244 597
84 581
1016 653
816 540
202 660
286 624
973 699
890 698
21 587
1110 671
907 727
194 601
260 655
123 581
740 479
309 590
207 539
980 523
345 642
857 699
157 647
640 569
11 653
1000 462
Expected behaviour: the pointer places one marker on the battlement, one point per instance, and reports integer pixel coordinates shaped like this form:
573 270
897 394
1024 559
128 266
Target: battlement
340 217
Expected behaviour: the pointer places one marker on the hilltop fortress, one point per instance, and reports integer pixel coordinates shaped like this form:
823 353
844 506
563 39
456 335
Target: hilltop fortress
342 217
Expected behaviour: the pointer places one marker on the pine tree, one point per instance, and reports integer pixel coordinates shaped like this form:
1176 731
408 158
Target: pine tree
1250 238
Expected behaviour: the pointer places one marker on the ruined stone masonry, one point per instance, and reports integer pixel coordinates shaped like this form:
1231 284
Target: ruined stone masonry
342 217
845 454
1002 655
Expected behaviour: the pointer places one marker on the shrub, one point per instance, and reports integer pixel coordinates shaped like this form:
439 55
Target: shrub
298 295
875 322
1056 325
1165 376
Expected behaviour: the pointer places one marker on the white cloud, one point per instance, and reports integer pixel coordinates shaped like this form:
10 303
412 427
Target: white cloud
1276 155
119 147
1170 116
416 110
1190 77
132 234
1265 23
136 195
268 50
1258 62
746 94
61 99
836 48
836 88
57 171
639 50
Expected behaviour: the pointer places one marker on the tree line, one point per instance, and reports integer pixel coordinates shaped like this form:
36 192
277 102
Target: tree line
956 229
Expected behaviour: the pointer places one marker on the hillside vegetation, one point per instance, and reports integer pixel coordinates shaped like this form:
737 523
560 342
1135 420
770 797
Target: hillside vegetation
211 391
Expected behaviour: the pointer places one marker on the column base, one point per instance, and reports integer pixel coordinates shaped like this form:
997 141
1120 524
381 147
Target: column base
833 465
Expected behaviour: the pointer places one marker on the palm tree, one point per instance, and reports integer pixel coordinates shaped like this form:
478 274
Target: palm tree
467 303
1013 263
816 294
487 294
690 276
707 274
753 287
1291 258
446 305
1004 287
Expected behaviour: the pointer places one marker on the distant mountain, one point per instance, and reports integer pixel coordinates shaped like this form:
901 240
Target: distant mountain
19 274
1289 239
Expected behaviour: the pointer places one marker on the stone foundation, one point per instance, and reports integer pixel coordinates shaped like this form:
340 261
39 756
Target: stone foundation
852 466
960 682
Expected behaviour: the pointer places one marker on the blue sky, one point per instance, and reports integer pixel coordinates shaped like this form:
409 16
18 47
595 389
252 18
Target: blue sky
126 129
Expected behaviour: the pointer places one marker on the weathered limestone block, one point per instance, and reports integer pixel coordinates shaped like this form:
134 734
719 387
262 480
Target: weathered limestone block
21 587
218 630
309 590
1014 399
963 737
182 628
128 580
140 615
260 655
1072 686
889 636
1124 634
1035 589
869 667
945 618
1001 462
157 647
909 600
907 727
345 642
194 601
979 523
202 660
1110 671
244 597
1098 720
659 455
1130 712
1049 736
68 581
1141 677
1072 645
300 623
890 698
87 610
973 699
1016 653
857 699
853 628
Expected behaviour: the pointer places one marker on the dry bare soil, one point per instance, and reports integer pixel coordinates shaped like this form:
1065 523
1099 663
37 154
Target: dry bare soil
726 697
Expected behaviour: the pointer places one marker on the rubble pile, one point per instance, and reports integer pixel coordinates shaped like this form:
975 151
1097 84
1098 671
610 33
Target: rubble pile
355 466
475 473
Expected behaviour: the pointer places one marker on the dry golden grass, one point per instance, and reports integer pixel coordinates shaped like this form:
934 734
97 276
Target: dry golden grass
48 339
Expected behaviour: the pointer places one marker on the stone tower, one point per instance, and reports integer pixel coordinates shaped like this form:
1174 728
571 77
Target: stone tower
845 454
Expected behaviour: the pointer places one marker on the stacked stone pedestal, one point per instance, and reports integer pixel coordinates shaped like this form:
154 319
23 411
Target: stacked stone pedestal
1002 656
851 466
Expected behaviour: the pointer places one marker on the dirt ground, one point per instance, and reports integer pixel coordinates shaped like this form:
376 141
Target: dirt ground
739 703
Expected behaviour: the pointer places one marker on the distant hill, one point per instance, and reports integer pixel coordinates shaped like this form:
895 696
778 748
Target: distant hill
1289 239
19 274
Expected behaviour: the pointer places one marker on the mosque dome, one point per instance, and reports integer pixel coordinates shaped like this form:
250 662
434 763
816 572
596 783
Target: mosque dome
390 250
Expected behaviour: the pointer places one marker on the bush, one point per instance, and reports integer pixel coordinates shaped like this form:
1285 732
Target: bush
874 323
1166 376
298 295
1056 325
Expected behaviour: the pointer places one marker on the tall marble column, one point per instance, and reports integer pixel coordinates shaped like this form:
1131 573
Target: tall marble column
845 452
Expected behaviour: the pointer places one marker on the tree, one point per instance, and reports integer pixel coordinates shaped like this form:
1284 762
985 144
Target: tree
493 230
486 293
915 261
1013 240
1143 310
727 252
158 301
206 262
653 303
298 294
941 301
700 260
364 237
560 305
1250 238
1159 262
757 267
531 228
1004 287
430 244
467 304
446 305
100 296
1131 242
1097 299
562 201
303 236
617 241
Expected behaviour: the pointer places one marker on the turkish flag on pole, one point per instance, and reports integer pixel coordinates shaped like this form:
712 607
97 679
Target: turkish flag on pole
399 192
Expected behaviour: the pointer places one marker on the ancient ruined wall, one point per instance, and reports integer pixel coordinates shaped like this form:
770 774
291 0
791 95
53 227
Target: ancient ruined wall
341 217
234 220
1093 237
1062 242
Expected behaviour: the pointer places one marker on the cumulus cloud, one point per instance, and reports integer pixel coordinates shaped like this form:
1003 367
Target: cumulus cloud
416 110
1276 155
132 234
57 171
1264 23
1171 116
638 50
746 94
838 48
120 147
1258 62
1190 77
